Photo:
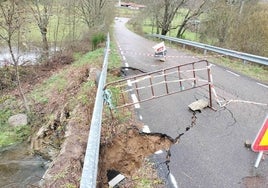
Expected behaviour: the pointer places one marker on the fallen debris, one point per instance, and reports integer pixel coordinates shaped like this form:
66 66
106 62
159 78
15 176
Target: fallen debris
247 144
198 105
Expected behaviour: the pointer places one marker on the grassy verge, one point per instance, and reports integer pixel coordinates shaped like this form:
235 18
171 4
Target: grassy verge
251 70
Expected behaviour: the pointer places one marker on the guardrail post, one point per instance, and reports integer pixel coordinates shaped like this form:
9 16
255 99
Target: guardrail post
205 51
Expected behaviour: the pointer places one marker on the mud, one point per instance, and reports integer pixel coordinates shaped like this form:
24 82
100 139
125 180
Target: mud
255 182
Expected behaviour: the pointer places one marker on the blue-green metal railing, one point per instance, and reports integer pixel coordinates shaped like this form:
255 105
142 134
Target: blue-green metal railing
90 168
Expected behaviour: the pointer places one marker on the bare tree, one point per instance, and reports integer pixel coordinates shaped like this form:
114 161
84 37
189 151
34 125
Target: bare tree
222 20
170 10
215 26
164 12
249 33
10 24
41 11
193 11
93 11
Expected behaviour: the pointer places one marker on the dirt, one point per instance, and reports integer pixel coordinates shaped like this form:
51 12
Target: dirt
127 150
254 182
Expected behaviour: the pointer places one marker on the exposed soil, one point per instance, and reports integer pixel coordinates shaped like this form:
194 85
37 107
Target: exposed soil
254 182
127 151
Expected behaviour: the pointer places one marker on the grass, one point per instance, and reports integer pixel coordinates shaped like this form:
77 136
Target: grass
254 71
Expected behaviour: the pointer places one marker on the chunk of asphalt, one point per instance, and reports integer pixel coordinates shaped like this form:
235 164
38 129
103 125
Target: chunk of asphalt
114 178
198 105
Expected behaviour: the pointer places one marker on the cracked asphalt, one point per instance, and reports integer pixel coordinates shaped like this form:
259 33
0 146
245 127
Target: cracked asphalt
212 153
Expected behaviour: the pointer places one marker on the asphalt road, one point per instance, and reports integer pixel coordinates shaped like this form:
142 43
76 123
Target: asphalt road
212 153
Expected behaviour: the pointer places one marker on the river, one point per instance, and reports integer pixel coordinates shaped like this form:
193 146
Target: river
19 168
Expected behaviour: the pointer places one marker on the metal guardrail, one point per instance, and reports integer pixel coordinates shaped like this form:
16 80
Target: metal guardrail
90 168
240 55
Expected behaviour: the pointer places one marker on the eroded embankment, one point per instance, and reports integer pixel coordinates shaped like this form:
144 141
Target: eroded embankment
62 136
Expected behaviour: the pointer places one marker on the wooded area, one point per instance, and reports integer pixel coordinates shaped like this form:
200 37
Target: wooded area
34 24
49 28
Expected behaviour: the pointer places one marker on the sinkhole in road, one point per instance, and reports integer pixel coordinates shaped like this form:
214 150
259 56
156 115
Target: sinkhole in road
126 152
125 148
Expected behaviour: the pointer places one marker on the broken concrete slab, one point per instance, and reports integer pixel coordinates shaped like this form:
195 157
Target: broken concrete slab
198 105
116 180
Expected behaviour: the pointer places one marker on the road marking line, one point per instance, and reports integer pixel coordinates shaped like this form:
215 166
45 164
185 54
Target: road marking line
263 85
146 129
158 152
135 100
233 73
129 83
124 58
173 180
140 117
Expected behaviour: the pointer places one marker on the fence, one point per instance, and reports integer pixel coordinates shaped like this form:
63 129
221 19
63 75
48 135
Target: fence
160 83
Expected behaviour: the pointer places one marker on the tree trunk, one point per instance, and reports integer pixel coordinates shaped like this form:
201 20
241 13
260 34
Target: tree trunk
45 46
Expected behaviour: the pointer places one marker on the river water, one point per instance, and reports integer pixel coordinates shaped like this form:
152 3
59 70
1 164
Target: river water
19 168
23 57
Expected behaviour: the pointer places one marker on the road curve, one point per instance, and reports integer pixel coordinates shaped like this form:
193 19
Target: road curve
212 153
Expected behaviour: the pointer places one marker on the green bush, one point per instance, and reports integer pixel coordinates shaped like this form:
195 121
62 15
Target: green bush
97 39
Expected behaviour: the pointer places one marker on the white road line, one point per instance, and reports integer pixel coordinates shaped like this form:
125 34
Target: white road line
263 85
158 152
173 180
233 73
146 129
124 58
129 83
135 100
140 117
126 64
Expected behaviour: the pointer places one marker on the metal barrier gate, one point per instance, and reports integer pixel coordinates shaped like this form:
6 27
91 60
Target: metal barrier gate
160 83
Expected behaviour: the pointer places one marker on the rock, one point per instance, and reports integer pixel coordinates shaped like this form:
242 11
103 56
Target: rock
247 144
198 105
18 120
